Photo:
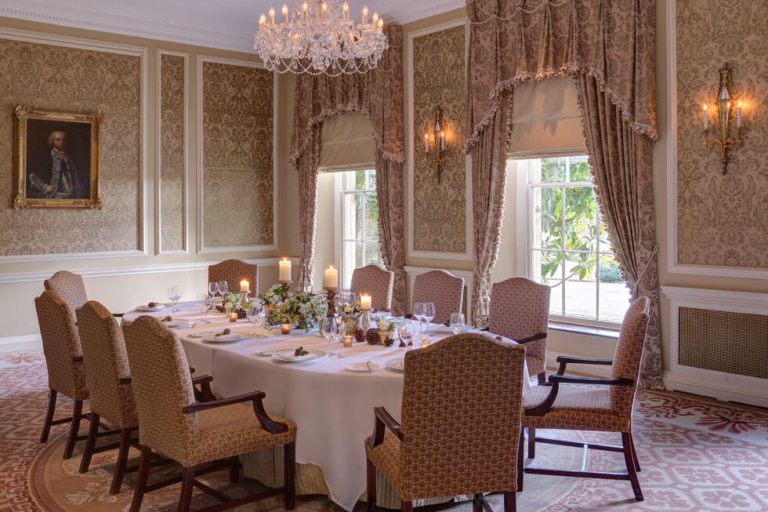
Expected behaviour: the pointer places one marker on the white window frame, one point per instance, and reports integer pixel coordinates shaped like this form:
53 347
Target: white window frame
339 239
525 237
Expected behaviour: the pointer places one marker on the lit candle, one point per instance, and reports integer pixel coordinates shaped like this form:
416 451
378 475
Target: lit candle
233 317
381 24
324 9
331 278
706 117
285 328
284 267
345 10
442 140
284 10
347 340
244 286
272 15
375 19
364 20
262 21
304 10
738 115
365 302
426 143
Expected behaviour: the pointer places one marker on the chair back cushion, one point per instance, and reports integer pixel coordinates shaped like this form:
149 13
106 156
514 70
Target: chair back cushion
234 271
61 343
69 286
376 282
106 362
629 354
162 386
443 289
461 416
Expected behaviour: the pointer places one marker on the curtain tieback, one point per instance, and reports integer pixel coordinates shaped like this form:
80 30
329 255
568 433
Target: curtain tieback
645 270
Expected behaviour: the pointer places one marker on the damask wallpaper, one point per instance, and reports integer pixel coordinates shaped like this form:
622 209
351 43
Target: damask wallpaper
439 209
237 155
73 80
722 219
172 152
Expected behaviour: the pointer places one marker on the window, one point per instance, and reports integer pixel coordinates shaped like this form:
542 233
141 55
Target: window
568 245
359 222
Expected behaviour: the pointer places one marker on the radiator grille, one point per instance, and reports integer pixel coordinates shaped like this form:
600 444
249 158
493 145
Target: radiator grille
723 341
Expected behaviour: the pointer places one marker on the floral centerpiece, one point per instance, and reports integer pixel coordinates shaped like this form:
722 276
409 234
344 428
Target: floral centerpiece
302 309
274 295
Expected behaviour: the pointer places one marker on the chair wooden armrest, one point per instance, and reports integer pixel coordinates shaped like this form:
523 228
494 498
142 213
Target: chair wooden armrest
77 359
535 337
564 360
545 406
383 420
118 315
126 380
256 397
204 394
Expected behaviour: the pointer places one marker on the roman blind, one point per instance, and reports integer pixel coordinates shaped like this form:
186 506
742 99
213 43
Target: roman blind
346 143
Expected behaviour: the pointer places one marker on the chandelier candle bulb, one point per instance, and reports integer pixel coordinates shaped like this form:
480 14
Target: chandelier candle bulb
284 267
272 15
365 15
375 18
262 21
381 24
345 11
284 11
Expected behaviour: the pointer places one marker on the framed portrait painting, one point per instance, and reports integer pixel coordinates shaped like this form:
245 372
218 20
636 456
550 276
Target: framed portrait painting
57 159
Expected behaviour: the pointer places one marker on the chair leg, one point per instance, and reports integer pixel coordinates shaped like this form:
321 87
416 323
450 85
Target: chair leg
122 460
187 484
371 481
141 479
477 503
626 441
634 453
234 469
542 378
49 415
74 429
510 502
90 444
406 506
531 443
520 461
289 476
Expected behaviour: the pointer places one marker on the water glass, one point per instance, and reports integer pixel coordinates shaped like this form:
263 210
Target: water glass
253 312
330 332
174 294
457 323
429 314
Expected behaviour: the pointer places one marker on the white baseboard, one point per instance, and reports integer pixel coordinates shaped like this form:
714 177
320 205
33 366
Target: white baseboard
725 387
24 343
591 370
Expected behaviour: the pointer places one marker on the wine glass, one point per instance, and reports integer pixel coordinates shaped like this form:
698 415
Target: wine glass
174 294
253 312
418 313
429 314
203 306
457 323
213 289
223 288
330 332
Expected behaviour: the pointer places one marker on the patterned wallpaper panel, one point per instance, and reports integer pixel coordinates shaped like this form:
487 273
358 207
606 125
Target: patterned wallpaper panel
237 155
439 209
72 80
172 152
722 219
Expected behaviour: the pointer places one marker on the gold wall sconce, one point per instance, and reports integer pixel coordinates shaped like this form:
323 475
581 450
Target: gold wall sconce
434 146
728 136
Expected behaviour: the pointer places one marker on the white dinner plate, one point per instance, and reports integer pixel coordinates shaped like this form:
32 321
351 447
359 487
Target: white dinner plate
397 365
288 356
224 338
362 367
146 309
176 324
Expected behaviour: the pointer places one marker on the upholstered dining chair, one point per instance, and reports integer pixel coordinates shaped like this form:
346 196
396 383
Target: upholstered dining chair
443 289
234 271
64 360
199 436
519 310
601 404
375 281
69 286
461 410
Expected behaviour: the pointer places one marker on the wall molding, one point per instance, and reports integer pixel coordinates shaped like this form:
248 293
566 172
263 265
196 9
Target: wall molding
201 247
720 385
673 265
411 252
159 158
142 211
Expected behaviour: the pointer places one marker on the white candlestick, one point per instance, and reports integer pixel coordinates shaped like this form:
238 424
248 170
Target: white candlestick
365 302
331 278
244 286
284 267
706 118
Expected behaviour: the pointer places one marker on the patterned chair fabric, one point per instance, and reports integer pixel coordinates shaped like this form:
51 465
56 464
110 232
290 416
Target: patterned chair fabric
602 408
69 286
520 308
162 387
61 346
460 420
234 271
376 282
443 289
106 363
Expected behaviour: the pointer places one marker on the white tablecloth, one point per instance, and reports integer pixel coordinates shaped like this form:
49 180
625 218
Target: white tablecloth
332 406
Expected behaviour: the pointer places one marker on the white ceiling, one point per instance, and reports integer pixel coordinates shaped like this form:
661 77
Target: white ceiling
227 24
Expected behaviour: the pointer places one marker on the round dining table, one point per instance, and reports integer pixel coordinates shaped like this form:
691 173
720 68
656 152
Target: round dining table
327 395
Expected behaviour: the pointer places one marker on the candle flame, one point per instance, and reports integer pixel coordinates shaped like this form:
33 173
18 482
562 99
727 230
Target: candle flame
705 107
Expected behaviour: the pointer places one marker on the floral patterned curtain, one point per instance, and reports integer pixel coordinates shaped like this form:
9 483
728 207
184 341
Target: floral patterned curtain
610 43
379 95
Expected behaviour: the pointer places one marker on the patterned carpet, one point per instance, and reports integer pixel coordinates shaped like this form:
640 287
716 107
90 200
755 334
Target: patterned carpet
696 455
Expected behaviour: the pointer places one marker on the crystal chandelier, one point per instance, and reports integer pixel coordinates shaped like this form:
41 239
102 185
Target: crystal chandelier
318 37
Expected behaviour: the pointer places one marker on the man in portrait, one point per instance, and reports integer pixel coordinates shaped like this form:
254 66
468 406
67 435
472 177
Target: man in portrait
59 180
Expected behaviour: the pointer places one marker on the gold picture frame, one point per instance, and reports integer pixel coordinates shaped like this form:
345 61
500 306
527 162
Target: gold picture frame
57 159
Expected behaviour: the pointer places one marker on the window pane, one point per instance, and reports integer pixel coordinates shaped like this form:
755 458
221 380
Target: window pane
349 220
581 287
548 218
580 218
371 180
579 170
556 298
550 265
360 180
614 294
372 255
605 243
553 170
347 262
371 217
